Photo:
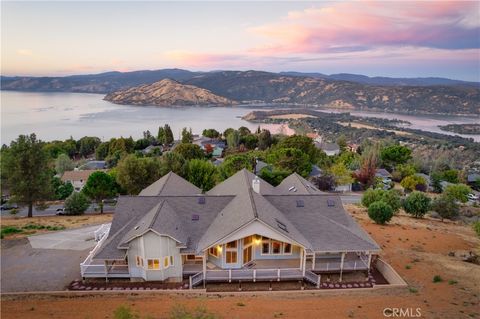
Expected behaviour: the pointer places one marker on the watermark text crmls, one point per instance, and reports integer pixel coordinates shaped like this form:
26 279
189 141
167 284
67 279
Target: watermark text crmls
395 312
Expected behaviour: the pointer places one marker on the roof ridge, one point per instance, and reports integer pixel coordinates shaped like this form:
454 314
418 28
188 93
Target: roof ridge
249 190
156 214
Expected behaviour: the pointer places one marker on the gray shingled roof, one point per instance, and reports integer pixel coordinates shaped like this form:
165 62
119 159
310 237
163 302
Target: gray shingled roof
297 185
230 205
170 185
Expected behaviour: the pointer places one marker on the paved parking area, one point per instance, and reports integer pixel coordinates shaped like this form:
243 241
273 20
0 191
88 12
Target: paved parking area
44 262
74 239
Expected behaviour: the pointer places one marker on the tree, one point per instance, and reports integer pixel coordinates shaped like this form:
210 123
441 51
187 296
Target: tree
342 175
395 154
390 197
273 176
403 170
134 174
325 182
380 212
189 151
413 182
290 160
233 139
99 186
211 133
342 142
303 143
102 151
172 162
26 168
250 141
61 190
244 131
87 145
368 167
446 207
264 140
63 163
168 135
187 136
201 173
436 179
451 176
161 135
76 204
141 144
417 204
458 192
234 163
227 132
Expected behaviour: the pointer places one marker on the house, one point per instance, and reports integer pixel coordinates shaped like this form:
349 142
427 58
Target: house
331 149
384 175
77 178
217 152
152 149
93 165
242 229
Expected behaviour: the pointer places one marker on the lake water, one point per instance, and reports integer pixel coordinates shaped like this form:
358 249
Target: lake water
61 115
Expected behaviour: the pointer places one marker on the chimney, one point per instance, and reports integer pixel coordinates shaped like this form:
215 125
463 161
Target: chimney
256 185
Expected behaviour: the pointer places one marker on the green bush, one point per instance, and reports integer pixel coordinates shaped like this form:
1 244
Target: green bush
380 212
437 278
446 207
458 192
10 230
390 197
476 227
124 312
76 204
417 204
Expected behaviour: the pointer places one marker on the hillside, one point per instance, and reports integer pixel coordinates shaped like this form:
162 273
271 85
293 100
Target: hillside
275 88
167 93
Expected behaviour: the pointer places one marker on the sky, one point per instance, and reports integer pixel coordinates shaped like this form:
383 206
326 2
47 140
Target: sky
375 38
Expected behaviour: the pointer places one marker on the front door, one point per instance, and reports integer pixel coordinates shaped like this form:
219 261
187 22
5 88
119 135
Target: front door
247 255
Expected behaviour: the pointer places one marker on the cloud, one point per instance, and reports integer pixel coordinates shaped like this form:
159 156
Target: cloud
364 25
24 52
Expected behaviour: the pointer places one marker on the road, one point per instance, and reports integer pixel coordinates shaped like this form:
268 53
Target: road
52 210
351 198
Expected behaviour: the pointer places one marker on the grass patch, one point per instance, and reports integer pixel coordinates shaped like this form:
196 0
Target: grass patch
408 267
240 304
452 282
437 278
8 230
413 290
27 229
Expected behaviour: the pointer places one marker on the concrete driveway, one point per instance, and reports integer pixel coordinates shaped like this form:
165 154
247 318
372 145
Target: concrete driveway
44 262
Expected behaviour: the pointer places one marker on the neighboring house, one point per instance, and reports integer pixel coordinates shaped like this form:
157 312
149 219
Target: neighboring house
384 175
217 152
331 149
151 148
93 165
259 165
77 178
473 179
242 229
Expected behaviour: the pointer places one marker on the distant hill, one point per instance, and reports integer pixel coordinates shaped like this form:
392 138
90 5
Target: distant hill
276 88
382 80
93 83
167 93
343 91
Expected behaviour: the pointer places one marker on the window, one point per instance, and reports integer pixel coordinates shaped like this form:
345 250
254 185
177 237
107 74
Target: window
139 261
166 262
171 260
247 240
287 248
213 251
153 264
265 246
276 247
231 257
232 244
191 257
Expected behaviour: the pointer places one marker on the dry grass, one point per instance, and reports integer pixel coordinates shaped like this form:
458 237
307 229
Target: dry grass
293 116
371 127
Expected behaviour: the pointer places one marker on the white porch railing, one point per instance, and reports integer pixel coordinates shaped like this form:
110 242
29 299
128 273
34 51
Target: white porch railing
102 231
312 278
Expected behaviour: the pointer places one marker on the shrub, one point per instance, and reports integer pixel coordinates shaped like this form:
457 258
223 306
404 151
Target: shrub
390 197
124 312
446 207
458 192
452 282
76 204
437 278
413 182
476 227
380 212
10 230
417 204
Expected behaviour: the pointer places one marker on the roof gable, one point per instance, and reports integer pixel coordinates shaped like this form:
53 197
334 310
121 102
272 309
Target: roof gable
170 185
297 185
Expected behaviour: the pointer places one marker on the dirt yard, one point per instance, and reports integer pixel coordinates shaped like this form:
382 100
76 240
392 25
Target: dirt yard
417 249
50 223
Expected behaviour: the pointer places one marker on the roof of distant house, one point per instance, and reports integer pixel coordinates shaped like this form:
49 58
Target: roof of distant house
328 147
381 172
308 217
80 175
473 177
92 165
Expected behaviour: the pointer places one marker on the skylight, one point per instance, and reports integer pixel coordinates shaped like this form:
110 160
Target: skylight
300 203
330 202
201 200
195 217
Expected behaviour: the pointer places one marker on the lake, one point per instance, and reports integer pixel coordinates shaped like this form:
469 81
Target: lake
61 115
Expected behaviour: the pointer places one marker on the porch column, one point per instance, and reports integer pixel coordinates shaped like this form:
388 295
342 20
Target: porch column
204 268
313 261
105 264
369 260
341 266
304 262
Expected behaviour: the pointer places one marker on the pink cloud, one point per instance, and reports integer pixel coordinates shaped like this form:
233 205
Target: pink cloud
362 25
